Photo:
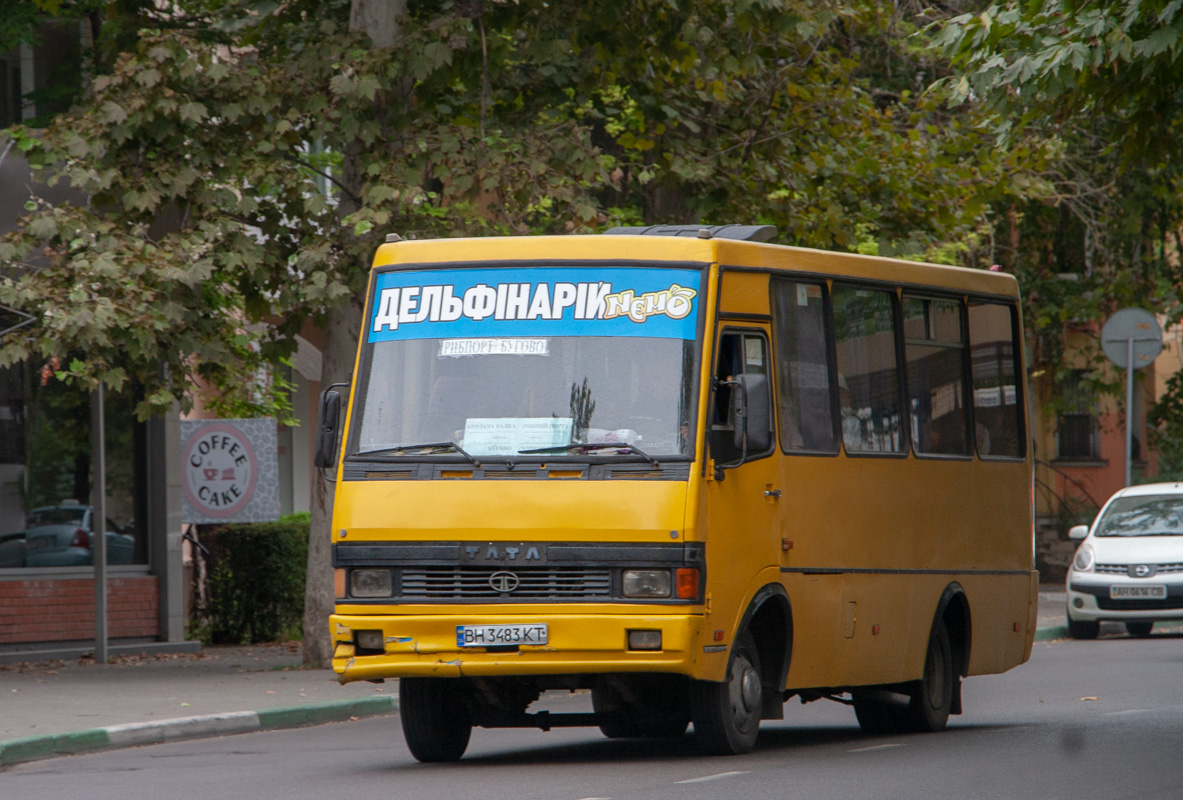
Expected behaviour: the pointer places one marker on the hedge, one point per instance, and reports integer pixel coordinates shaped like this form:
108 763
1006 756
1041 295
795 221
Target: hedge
254 582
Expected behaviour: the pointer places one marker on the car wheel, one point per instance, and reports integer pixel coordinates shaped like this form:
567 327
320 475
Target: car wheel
435 719
1139 628
727 715
1083 629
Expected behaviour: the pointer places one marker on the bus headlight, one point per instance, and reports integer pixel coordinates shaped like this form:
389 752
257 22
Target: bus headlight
1084 559
371 583
647 583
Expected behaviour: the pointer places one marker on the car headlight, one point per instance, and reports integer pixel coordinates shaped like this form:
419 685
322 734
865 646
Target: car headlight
1084 559
647 583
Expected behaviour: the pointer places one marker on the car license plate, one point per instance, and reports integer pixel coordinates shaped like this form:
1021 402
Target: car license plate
1154 592
501 635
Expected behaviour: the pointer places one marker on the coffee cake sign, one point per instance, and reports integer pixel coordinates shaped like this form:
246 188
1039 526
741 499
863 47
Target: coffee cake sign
229 471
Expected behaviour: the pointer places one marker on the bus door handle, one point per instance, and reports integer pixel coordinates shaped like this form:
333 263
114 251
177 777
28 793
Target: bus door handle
772 493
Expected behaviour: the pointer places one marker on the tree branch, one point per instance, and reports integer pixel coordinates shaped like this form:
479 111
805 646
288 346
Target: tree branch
352 196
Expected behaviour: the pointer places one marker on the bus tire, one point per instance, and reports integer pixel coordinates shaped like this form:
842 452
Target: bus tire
726 715
879 717
435 720
1083 629
932 695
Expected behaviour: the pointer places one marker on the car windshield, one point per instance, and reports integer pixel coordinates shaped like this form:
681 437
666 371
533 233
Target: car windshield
1143 515
533 362
558 392
55 516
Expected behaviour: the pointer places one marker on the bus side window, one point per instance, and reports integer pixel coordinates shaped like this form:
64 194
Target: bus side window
804 407
935 350
739 354
868 377
998 418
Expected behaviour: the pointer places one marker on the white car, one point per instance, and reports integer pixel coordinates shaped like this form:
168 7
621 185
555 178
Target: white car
1129 565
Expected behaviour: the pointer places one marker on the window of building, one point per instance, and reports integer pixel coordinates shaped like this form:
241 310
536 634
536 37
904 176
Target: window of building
1077 432
934 347
804 400
872 418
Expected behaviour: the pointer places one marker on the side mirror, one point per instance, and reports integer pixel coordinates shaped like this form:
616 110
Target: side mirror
756 422
327 422
1078 532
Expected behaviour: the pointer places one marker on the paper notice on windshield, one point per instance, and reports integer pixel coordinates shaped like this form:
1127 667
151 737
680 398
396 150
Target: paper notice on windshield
507 436
454 348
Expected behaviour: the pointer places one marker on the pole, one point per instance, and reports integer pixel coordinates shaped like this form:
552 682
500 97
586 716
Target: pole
98 522
1129 410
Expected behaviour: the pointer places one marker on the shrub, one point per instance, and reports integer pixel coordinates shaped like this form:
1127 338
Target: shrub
255 582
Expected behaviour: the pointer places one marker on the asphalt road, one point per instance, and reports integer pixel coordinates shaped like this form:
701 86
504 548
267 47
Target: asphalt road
1081 720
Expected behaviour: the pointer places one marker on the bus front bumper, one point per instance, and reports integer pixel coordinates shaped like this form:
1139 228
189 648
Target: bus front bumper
426 646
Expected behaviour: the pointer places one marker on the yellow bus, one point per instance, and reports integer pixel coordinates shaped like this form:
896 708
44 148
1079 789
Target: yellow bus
688 470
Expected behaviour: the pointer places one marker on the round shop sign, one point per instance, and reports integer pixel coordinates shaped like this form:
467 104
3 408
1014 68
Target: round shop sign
221 469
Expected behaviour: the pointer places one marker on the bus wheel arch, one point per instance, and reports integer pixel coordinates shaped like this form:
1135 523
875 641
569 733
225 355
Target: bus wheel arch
953 609
727 714
769 620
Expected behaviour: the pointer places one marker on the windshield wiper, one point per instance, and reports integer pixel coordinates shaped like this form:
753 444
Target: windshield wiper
567 448
404 448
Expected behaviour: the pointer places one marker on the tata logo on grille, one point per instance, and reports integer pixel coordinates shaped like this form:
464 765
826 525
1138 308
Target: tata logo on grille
504 582
506 552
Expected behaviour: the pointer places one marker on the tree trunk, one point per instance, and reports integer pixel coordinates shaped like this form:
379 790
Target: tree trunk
379 19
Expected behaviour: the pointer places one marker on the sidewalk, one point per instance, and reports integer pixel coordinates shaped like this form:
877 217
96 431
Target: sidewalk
58 707
68 706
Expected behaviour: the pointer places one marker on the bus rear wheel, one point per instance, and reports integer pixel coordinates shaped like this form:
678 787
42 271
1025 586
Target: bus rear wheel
435 719
921 706
932 695
727 715
878 716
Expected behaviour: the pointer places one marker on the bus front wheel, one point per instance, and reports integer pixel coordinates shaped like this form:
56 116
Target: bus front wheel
727 715
435 719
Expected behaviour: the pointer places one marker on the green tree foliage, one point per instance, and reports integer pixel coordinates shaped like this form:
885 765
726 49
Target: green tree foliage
245 157
1095 85
211 148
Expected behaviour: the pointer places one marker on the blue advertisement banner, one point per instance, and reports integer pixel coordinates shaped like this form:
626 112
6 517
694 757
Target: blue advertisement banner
535 301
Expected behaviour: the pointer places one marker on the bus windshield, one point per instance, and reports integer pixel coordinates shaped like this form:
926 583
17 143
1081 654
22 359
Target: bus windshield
528 362
547 395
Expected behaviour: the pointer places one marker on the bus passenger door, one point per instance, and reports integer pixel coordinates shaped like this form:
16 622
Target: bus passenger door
743 491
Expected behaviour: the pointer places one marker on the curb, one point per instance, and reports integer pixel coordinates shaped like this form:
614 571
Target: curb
1052 632
31 748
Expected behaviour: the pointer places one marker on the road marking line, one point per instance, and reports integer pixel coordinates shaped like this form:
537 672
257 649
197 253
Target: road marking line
873 747
706 778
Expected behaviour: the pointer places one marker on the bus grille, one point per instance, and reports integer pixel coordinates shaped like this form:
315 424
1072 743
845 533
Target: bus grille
461 582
